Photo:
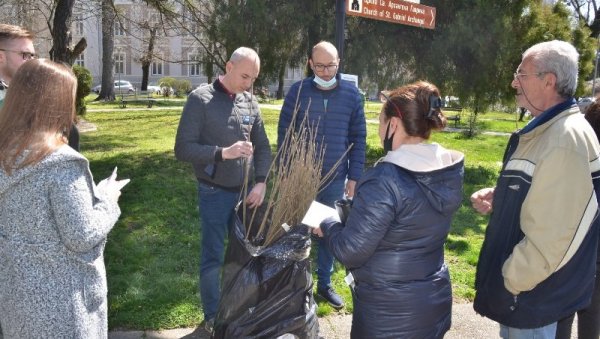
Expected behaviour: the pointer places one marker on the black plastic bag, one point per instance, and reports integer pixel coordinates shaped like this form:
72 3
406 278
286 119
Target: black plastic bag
267 291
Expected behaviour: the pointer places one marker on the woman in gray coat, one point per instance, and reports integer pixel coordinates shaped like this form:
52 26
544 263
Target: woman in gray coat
53 219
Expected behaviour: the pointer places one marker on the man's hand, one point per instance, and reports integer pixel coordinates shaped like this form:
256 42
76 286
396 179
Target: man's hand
257 195
482 200
350 185
241 149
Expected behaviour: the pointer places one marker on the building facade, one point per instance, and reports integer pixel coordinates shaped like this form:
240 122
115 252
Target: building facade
177 53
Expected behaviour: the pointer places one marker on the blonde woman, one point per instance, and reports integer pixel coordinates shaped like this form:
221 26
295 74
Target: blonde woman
53 219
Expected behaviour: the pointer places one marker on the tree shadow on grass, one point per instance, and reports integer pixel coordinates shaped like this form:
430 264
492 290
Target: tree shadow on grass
475 178
152 254
457 246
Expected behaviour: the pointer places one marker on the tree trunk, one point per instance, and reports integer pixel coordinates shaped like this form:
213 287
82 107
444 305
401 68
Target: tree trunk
61 32
147 60
145 73
281 84
208 69
107 92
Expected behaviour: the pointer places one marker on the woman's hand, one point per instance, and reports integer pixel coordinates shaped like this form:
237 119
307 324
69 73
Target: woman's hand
317 231
111 186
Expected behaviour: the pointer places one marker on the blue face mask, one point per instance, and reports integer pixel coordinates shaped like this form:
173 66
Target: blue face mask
323 83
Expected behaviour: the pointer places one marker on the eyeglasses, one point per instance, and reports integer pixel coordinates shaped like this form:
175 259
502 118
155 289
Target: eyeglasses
385 99
24 55
517 74
321 67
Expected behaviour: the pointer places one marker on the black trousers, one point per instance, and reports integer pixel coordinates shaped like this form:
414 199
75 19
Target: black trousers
588 319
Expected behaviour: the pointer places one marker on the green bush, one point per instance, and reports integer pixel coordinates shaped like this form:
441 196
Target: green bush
166 84
182 87
84 87
179 86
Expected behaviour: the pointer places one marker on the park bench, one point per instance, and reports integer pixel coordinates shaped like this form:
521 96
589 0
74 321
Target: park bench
142 96
455 117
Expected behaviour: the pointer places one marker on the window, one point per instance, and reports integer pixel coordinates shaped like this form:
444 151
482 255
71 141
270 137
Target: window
119 29
78 24
155 23
194 66
290 73
119 63
157 68
195 31
80 60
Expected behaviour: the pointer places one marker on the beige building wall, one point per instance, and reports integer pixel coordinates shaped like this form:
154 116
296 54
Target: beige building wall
176 54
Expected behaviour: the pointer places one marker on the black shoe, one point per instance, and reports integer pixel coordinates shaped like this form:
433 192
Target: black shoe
331 297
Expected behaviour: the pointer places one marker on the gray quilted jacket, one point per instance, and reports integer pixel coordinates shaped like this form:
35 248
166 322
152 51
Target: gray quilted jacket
53 228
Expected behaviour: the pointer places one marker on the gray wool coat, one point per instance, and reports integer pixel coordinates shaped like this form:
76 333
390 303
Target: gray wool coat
53 228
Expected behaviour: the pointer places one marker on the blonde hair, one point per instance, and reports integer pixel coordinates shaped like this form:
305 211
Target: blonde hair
38 112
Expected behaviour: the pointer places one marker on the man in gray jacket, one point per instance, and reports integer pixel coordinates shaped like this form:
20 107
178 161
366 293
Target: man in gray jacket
220 130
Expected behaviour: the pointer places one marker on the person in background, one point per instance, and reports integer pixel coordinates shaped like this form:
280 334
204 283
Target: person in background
334 106
522 111
588 319
537 262
220 130
53 219
393 239
16 47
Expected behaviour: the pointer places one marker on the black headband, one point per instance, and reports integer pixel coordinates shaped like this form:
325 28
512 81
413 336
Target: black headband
435 103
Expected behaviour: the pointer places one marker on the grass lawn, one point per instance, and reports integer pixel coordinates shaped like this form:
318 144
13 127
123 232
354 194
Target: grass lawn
152 254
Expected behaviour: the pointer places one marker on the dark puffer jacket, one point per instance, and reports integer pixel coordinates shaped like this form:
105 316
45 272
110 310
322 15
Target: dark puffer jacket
393 243
339 119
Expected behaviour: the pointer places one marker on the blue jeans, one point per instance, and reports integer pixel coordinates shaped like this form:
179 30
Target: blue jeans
546 332
334 191
216 208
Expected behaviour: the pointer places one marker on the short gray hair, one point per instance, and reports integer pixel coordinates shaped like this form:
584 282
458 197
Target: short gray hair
559 58
244 53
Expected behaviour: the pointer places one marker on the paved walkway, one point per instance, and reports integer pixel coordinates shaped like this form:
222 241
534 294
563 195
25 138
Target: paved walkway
466 324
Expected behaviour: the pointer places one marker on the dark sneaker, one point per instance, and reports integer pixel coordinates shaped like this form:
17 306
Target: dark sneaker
331 297
209 326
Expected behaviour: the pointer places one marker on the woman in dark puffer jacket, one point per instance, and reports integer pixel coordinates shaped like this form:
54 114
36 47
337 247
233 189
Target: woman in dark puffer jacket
393 239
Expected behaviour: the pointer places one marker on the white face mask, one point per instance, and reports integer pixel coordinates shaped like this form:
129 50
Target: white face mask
323 83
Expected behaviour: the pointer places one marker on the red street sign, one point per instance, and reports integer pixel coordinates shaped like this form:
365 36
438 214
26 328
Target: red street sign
396 11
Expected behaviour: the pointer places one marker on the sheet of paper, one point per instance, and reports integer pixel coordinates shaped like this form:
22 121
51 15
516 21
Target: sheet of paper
318 212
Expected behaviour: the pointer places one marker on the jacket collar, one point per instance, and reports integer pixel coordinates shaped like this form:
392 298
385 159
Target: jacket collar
548 115
423 157
219 86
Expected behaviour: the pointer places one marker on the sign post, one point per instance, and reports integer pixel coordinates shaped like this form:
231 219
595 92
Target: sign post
396 11
340 25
